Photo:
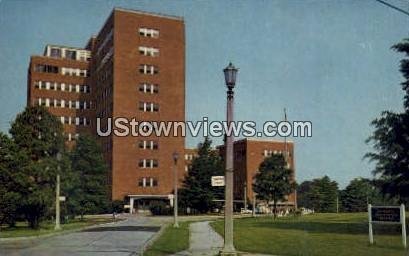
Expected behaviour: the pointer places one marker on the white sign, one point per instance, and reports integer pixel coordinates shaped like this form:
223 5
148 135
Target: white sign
62 198
127 206
218 181
387 215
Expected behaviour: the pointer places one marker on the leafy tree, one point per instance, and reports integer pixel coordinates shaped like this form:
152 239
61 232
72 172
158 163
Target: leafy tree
9 181
303 190
197 191
39 136
273 181
358 194
90 195
319 194
391 140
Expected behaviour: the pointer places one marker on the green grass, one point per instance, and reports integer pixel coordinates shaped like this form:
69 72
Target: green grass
318 234
171 241
22 230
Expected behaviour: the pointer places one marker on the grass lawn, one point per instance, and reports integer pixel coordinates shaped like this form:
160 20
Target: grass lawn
171 241
318 234
21 229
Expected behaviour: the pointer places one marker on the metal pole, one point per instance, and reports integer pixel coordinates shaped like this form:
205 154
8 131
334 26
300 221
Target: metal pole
228 248
370 223
57 204
245 196
337 204
254 204
175 204
403 221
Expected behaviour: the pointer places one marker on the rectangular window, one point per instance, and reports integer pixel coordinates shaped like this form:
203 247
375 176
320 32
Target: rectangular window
69 54
148 32
46 68
148 51
148 144
148 69
55 52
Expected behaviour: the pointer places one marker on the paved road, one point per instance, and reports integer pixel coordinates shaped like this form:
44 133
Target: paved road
119 239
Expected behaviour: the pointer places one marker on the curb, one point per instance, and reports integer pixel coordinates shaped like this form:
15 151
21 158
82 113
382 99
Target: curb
153 238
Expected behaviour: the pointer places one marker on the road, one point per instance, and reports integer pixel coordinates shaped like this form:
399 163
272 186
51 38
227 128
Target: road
119 239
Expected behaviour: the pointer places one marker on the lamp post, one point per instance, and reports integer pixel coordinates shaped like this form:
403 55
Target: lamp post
230 73
57 195
175 177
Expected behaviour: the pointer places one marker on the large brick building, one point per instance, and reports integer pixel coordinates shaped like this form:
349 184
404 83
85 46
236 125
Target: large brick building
133 68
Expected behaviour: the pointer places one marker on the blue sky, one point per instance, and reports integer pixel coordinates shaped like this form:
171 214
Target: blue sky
326 61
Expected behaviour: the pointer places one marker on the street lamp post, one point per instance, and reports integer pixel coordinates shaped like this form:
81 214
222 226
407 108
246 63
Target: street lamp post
230 73
175 198
57 195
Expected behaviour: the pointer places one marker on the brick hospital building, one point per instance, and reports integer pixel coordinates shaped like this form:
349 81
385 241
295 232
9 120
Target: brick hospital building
133 68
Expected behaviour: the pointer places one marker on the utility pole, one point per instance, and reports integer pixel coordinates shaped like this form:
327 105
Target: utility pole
57 195
57 204
337 204
175 176
245 196
254 204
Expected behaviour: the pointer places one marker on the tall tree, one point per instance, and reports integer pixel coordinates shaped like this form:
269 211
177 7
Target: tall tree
38 135
303 192
358 194
319 194
273 181
197 191
390 140
10 166
90 195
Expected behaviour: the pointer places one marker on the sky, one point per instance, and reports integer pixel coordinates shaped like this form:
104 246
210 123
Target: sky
329 62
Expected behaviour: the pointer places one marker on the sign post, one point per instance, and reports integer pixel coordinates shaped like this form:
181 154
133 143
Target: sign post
387 215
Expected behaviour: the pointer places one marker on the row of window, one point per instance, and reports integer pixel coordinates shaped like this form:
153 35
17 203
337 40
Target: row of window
189 156
148 182
148 163
149 51
149 88
148 144
71 54
63 103
148 69
65 71
62 87
268 153
81 121
148 106
74 72
149 32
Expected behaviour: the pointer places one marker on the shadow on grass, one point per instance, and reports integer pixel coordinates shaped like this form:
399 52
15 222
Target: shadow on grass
333 227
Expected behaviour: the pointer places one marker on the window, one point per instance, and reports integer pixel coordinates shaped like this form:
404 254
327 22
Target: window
69 54
148 51
148 144
147 32
149 88
55 52
46 68
148 107
147 182
148 69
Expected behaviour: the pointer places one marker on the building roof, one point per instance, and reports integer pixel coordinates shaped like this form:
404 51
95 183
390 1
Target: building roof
173 17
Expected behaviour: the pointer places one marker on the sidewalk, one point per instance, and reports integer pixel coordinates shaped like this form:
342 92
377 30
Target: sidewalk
204 241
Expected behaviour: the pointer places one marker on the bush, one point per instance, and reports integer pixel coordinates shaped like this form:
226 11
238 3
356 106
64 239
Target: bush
117 206
160 208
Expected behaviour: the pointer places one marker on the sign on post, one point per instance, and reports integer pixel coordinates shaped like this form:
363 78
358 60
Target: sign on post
218 181
62 198
387 215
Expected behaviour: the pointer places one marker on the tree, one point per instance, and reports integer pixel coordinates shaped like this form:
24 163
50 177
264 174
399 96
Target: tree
358 194
303 191
197 191
10 188
90 195
274 180
319 194
390 140
39 136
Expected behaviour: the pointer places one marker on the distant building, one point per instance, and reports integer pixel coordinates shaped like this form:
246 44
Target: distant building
248 155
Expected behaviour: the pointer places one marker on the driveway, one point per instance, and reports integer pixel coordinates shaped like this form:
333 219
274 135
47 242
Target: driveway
119 239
